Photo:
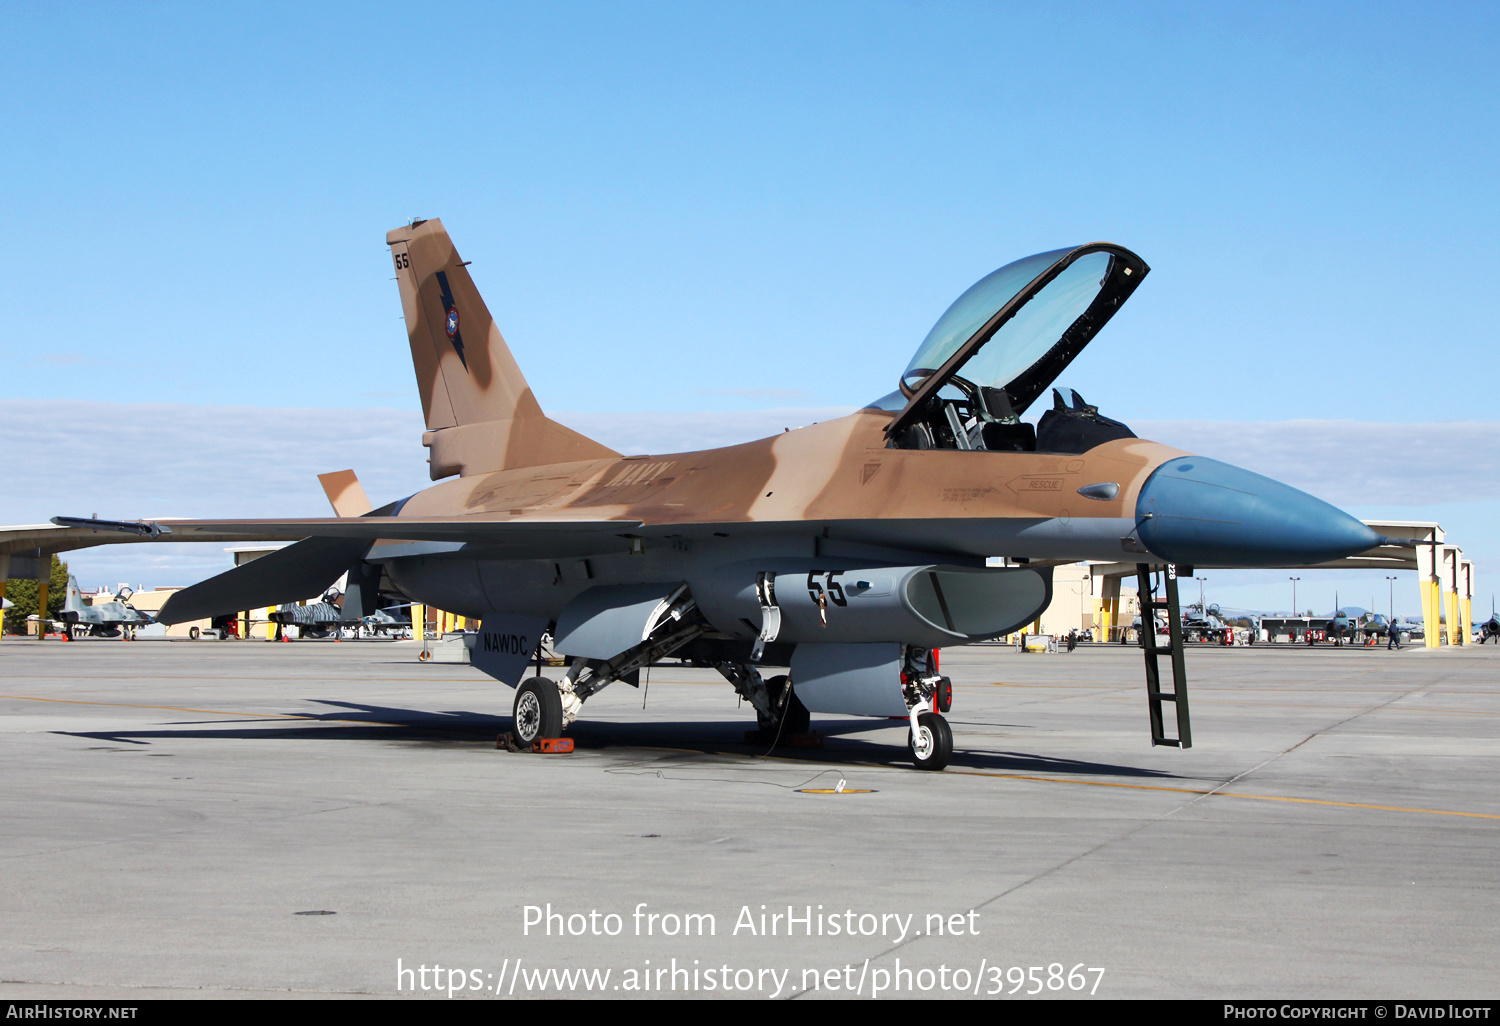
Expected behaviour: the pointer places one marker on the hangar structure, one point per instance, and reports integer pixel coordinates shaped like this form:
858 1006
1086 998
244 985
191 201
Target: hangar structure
1445 579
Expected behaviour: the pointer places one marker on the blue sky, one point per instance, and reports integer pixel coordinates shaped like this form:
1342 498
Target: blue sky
700 208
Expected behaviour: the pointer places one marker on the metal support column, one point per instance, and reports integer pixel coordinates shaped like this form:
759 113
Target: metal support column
43 579
1427 575
1110 593
1458 633
1466 597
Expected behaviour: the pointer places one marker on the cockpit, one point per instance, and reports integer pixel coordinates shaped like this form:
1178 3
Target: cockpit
1001 344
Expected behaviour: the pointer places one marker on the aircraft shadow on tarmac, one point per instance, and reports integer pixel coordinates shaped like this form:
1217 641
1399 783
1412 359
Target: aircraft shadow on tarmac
350 721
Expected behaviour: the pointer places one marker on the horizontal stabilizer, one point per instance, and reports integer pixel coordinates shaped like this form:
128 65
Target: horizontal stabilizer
291 574
345 494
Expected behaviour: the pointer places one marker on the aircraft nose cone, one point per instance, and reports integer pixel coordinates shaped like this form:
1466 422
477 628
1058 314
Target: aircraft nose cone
1211 513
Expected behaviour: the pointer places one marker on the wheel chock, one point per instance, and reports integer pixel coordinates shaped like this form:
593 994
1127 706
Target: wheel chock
553 745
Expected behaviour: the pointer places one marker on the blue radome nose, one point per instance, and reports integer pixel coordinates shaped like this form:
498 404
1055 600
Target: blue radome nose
1202 512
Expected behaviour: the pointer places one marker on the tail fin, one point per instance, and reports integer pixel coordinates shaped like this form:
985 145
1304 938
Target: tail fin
73 603
481 415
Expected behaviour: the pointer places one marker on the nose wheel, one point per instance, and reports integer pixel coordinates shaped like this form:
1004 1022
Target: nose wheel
931 742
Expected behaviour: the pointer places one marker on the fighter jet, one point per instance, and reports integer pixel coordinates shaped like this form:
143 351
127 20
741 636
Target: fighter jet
116 618
842 554
1205 625
1489 630
325 617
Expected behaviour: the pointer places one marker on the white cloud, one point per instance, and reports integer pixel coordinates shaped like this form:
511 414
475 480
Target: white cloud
128 460
758 393
1350 462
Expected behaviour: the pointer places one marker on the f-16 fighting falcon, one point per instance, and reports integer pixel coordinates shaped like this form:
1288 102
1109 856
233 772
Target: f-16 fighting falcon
843 554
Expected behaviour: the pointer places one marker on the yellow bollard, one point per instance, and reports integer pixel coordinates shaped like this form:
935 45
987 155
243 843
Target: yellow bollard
2 605
418 622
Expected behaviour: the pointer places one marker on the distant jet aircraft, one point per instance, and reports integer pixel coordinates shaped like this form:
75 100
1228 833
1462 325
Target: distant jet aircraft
1341 626
116 618
1490 629
1206 625
320 619
844 553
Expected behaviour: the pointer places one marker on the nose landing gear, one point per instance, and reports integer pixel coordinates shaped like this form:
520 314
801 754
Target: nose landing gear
930 741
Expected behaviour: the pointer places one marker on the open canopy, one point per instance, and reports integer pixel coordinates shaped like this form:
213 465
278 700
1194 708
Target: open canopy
1011 334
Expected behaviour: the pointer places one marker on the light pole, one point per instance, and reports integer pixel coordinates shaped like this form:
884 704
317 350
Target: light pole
1202 608
1294 581
1393 598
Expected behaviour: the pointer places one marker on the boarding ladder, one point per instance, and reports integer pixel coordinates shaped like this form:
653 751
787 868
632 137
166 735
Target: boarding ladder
1178 696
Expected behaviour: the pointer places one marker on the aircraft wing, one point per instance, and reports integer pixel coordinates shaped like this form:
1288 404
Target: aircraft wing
326 547
503 533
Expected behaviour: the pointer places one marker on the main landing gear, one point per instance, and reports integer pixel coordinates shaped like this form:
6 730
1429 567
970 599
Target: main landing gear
538 711
545 708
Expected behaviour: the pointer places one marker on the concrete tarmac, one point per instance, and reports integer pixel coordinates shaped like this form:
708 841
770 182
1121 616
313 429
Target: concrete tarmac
247 819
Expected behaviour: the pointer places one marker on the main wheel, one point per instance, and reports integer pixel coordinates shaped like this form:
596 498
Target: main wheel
794 719
537 712
932 747
194 633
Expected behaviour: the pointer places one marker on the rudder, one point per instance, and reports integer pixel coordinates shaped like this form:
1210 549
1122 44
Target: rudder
481 415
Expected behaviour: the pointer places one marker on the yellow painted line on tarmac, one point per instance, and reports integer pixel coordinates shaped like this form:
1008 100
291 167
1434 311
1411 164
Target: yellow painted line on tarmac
1252 688
1388 707
1219 794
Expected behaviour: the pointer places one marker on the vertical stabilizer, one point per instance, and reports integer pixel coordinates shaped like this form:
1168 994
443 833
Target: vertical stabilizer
74 603
481 415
